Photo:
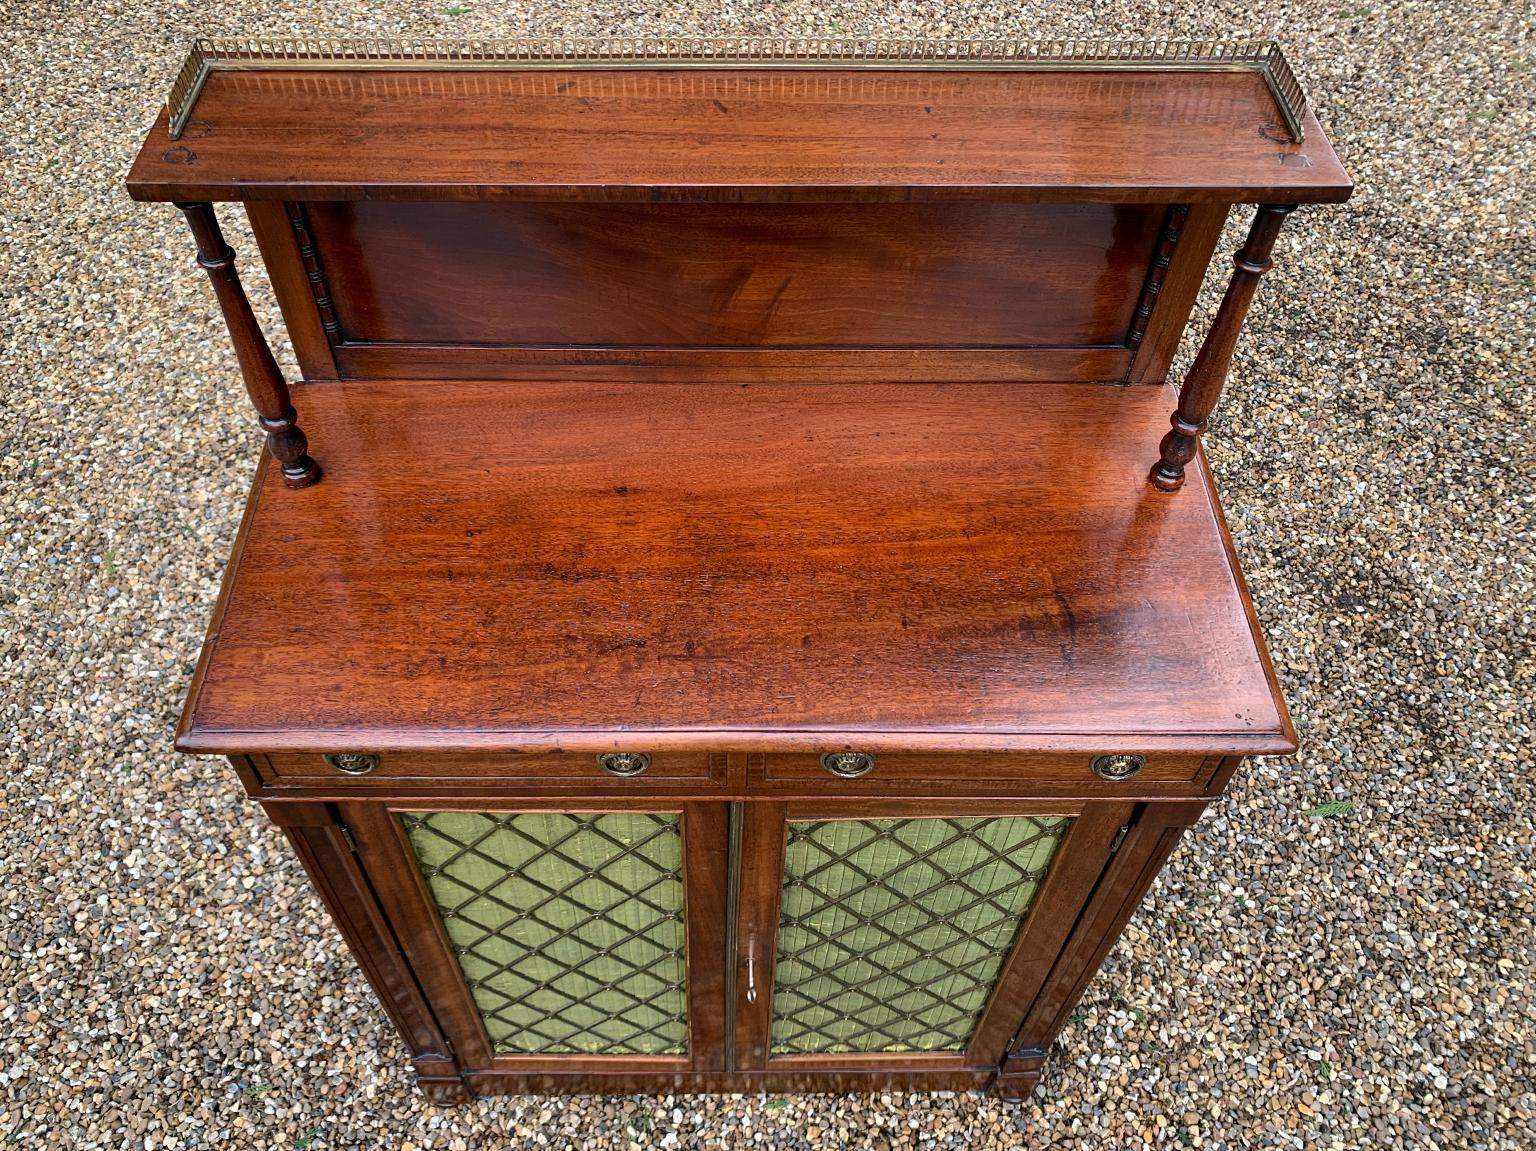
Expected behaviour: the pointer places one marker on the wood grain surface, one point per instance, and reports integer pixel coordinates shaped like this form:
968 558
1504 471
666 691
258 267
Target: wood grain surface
735 275
738 135
773 567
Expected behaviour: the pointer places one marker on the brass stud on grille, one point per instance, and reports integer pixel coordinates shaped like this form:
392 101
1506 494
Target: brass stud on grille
1117 767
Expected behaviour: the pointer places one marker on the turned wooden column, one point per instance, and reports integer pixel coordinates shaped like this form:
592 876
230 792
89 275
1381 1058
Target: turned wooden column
263 381
1202 387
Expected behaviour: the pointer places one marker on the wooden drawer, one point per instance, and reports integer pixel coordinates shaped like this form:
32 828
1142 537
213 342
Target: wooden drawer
906 771
567 768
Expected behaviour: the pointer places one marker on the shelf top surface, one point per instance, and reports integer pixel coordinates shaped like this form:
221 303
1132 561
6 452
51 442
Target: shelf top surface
741 134
516 566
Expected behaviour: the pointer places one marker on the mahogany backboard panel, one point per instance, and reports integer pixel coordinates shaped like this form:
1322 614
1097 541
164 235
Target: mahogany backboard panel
979 275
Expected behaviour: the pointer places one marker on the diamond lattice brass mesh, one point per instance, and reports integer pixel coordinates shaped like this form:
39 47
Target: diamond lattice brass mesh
892 932
568 928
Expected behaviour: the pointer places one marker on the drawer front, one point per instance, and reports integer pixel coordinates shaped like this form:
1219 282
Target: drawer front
362 769
857 772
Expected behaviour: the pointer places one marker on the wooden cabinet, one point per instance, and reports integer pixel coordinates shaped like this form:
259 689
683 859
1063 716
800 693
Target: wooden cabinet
895 935
561 939
734 602
826 940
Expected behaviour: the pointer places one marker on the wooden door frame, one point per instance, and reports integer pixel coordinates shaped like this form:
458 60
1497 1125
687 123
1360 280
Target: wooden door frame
387 859
1075 868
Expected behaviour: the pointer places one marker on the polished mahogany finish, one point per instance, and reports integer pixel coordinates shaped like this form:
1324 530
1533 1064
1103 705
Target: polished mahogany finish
734 567
748 449
831 292
1202 387
733 276
740 136
263 381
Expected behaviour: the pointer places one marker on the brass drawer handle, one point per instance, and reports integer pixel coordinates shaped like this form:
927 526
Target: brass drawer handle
624 763
353 763
848 764
1118 767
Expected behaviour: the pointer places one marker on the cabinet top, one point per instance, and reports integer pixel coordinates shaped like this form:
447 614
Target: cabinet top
738 121
509 565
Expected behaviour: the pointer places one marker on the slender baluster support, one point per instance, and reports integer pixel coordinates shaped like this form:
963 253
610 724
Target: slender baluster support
263 381
1202 387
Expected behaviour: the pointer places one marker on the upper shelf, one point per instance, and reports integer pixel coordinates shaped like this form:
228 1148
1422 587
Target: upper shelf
739 121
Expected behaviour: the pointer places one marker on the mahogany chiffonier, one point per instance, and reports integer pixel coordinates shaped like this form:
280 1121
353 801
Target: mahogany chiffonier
724 607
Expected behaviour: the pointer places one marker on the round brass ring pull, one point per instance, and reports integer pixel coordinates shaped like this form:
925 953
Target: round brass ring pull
353 763
848 764
1117 767
624 762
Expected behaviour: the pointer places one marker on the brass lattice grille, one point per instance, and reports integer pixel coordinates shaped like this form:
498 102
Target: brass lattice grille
568 928
892 932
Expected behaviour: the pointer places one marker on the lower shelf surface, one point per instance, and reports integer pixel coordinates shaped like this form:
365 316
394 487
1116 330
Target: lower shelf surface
495 566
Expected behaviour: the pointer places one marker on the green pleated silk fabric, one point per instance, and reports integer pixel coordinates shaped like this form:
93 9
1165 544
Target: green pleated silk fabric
568 928
892 932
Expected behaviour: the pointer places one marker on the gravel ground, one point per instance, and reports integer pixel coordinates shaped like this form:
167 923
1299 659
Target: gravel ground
1295 980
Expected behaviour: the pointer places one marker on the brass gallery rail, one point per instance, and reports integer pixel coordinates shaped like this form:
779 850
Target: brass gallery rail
1261 56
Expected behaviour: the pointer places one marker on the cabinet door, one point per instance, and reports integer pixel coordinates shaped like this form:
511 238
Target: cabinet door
907 934
559 938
